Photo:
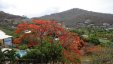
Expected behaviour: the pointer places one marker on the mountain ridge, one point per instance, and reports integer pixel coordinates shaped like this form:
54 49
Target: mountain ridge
74 16
9 20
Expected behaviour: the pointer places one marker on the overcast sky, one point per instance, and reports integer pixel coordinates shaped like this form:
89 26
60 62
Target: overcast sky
36 8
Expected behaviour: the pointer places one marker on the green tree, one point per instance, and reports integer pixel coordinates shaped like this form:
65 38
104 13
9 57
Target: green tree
46 52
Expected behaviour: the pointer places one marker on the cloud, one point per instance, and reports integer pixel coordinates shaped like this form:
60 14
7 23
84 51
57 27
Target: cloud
2 6
28 7
32 8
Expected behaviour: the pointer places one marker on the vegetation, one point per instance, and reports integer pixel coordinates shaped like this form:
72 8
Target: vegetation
99 46
46 52
50 42
48 37
95 36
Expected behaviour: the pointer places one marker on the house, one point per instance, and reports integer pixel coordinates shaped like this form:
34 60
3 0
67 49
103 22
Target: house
5 40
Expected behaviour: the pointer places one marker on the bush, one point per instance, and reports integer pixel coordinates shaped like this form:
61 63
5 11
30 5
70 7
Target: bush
37 32
46 52
94 41
10 54
105 42
23 47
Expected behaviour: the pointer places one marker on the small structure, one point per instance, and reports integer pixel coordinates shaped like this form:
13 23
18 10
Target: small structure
5 40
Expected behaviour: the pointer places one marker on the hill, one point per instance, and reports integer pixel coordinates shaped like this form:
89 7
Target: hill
9 20
79 17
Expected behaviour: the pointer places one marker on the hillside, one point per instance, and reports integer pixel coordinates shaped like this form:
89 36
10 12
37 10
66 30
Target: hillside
9 20
75 17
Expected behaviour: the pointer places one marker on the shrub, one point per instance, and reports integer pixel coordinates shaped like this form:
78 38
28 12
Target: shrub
94 41
36 33
45 53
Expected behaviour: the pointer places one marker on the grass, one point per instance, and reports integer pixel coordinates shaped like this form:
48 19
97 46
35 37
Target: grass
102 55
8 31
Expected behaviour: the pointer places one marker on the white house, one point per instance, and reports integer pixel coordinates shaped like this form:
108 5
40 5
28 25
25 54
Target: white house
5 40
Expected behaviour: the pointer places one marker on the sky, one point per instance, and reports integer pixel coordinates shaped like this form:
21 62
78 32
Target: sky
37 8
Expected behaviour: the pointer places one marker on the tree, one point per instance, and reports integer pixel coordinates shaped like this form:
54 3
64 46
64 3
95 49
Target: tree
45 53
33 34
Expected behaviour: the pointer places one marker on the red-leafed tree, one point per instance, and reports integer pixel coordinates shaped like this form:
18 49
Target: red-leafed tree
34 33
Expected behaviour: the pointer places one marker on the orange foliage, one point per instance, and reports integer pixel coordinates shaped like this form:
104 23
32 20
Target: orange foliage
16 41
41 29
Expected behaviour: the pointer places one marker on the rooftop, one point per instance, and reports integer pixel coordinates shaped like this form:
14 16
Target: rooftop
3 35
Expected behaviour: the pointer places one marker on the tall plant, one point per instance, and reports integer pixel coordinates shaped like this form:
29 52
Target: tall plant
35 33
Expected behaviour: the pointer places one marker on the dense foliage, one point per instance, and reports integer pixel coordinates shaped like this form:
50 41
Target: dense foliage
45 53
94 35
34 34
